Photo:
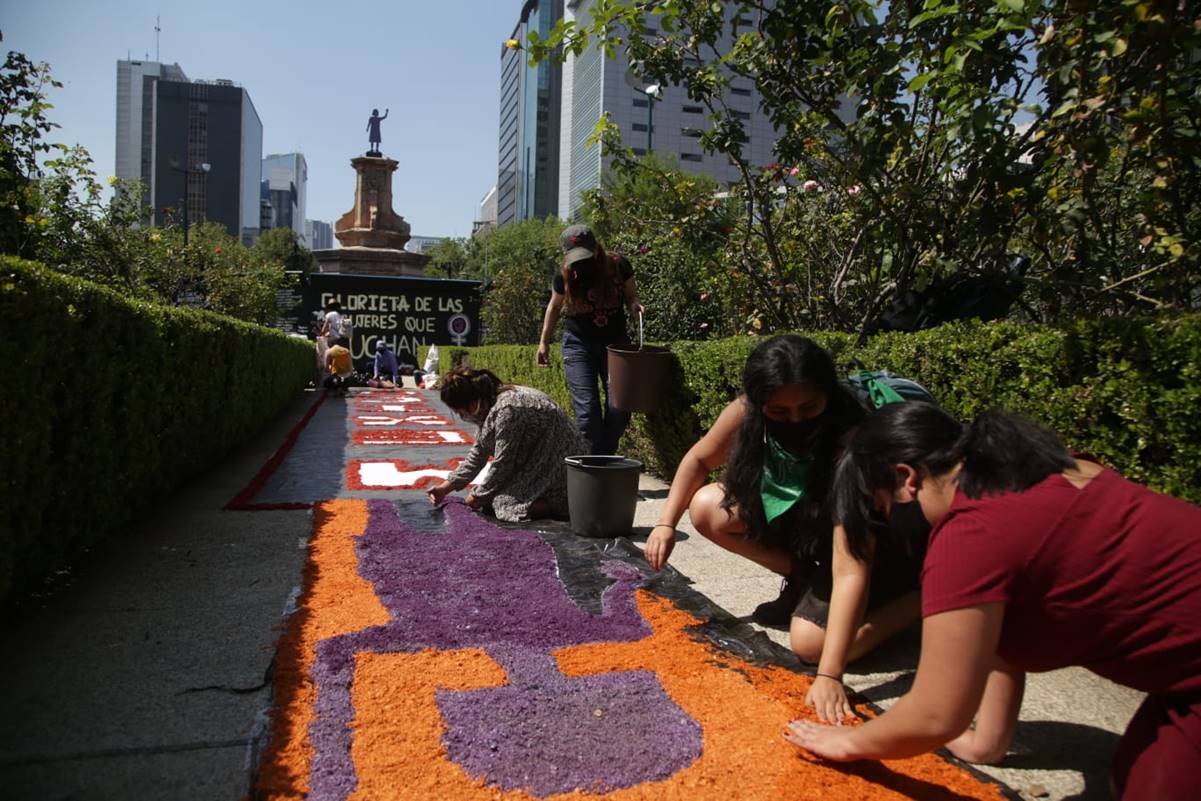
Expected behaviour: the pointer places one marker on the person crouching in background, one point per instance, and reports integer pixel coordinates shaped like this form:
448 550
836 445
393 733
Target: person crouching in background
526 435
385 369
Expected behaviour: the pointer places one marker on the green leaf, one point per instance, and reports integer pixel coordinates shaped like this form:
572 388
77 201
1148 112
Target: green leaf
920 81
926 16
1064 108
1015 6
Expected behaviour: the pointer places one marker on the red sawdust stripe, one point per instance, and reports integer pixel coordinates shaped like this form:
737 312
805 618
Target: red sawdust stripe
408 436
334 600
241 501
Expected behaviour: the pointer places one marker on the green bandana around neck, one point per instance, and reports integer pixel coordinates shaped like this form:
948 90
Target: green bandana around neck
785 477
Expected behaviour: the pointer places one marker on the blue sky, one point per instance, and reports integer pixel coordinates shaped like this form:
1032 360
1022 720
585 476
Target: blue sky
314 71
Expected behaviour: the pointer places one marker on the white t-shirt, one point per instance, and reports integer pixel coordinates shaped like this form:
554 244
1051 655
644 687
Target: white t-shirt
333 321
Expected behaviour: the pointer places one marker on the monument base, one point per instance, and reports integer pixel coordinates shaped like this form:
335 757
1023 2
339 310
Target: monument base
370 261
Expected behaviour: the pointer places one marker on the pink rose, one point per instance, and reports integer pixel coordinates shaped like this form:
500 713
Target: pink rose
854 190
795 171
810 186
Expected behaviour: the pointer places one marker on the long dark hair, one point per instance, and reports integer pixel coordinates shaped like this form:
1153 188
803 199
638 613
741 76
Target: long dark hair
999 452
773 364
463 386
603 267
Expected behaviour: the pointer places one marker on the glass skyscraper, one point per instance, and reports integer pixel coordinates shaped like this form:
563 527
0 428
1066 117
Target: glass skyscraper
527 183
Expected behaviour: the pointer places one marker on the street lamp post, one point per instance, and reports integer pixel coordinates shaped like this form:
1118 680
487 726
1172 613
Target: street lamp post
200 169
652 94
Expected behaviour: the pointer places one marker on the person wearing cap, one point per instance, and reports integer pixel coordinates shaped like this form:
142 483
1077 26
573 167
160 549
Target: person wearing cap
592 291
385 365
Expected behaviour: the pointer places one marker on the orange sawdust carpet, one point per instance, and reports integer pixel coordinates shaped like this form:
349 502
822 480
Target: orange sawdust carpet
388 685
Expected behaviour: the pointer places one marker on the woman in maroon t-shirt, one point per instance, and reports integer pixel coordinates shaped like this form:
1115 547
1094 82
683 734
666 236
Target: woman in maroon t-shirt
1036 560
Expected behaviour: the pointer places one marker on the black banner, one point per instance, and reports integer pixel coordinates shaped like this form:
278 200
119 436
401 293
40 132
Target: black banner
406 312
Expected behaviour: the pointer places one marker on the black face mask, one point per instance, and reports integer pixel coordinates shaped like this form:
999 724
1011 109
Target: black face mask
908 526
799 436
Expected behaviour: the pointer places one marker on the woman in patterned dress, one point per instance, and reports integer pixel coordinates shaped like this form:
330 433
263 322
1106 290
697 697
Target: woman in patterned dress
524 433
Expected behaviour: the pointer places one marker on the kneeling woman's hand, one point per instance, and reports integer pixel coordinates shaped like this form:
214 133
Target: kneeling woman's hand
439 492
659 545
828 698
828 742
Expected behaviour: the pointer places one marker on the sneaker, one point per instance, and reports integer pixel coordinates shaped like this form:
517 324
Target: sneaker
779 611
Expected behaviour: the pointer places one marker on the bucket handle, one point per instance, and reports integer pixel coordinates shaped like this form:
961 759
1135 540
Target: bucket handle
640 330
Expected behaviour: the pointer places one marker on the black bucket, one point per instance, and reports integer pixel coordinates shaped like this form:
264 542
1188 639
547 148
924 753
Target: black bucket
602 493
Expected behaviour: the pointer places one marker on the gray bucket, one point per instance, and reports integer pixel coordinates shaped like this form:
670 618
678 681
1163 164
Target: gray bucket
602 492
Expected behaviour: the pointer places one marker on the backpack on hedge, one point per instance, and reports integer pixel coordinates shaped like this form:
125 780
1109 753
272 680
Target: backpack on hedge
875 388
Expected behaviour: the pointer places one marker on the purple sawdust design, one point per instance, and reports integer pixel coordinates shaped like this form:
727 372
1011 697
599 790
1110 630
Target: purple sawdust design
478 585
550 734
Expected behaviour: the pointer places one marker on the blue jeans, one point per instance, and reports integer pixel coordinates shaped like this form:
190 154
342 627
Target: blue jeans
584 363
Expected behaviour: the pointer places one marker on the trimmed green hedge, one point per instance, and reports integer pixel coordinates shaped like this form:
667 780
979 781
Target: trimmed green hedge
110 402
1126 390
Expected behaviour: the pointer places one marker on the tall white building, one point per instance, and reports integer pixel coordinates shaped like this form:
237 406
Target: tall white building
285 179
136 129
594 85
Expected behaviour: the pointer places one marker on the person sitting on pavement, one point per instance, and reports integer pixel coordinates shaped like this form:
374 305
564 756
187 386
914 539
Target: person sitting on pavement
527 437
1035 560
339 368
779 441
385 367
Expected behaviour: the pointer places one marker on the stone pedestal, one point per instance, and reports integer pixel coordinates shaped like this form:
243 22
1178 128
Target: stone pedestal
373 236
372 222
370 261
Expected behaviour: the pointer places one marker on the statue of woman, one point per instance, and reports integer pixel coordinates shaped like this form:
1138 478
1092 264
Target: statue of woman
373 129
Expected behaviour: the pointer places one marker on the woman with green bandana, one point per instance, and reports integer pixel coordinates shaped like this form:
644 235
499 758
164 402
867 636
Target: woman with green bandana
779 441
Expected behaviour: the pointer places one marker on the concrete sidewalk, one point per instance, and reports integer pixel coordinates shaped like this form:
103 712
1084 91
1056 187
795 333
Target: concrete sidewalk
146 674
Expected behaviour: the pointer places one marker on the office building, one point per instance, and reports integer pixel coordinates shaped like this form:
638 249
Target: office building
169 127
320 235
136 82
594 85
285 178
528 157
